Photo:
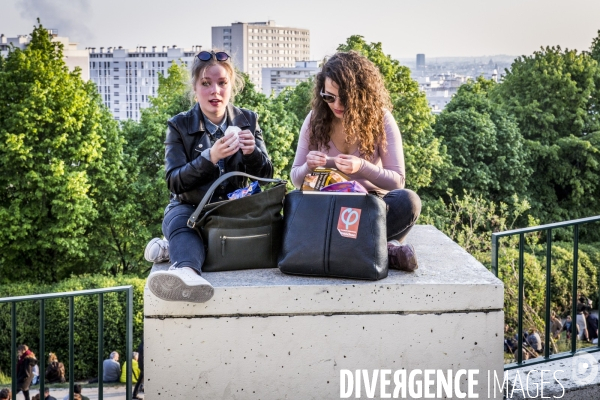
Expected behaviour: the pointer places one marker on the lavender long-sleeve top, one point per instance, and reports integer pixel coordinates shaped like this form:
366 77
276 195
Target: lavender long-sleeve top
384 172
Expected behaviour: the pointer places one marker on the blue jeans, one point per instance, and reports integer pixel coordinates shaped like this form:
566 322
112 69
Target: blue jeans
185 244
404 208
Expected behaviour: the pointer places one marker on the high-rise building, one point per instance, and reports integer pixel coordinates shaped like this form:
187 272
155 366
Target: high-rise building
420 61
126 79
257 45
72 56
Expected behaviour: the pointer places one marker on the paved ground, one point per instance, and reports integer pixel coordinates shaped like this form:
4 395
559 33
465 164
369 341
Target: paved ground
110 393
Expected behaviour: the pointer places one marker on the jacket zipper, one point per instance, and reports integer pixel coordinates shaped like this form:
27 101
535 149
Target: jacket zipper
224 239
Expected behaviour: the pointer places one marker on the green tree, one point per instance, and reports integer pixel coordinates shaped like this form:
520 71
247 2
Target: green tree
147 193
554 96
276 122
485 143
427 163
60 162
595 48
297 100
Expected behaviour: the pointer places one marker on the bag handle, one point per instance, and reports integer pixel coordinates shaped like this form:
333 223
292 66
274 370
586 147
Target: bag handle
194 217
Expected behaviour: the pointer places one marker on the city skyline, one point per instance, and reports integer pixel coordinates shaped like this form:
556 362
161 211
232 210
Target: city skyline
436 28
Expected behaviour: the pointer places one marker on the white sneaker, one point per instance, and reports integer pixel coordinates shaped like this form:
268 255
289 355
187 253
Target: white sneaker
180 284
157 251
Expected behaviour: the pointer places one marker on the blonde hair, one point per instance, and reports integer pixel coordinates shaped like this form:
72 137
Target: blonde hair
199 67
52 358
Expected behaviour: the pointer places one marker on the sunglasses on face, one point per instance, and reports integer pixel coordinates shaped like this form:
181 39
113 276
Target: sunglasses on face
328 98
207 55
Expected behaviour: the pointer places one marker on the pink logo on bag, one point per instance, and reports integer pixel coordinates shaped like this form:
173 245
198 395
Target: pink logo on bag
348 222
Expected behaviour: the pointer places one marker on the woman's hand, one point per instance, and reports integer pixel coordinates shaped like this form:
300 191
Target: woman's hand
316 159
348 164
247 142
224 147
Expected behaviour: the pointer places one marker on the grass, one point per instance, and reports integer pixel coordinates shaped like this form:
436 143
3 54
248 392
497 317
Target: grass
4 379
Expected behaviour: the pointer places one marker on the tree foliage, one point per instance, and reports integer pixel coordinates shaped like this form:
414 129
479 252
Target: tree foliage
61 166
278 126
484 143
554 97
426 161
147 193
85 318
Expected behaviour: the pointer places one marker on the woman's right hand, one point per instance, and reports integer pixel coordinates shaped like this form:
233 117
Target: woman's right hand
315 159
224 147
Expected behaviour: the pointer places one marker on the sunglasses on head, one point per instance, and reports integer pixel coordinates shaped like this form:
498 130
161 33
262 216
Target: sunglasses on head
207 55
328 98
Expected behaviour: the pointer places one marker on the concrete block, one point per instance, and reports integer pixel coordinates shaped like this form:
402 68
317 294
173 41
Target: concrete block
266 335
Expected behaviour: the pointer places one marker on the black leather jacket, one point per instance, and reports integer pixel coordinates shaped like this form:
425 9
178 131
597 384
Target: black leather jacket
189 175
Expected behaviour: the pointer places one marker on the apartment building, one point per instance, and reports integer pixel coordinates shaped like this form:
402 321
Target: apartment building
258 45
274 80
126 79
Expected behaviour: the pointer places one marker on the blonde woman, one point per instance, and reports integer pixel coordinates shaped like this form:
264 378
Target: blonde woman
197 152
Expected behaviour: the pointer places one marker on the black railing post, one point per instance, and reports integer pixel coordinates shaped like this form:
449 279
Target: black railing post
100 346
521 294
548 294
42 356
548 300
13 349
71 346
495 255
129 329
574 308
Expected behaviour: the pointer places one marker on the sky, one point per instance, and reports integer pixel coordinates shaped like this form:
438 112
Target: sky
438 28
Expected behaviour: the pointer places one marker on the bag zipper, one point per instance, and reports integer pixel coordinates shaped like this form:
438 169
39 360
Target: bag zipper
224 239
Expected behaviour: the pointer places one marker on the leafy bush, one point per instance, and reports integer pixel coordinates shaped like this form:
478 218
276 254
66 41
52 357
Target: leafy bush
85 321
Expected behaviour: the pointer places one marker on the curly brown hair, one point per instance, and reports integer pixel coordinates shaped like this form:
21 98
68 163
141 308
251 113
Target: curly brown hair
365 99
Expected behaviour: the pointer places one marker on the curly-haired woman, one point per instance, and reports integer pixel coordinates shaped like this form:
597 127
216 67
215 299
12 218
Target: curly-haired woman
352 129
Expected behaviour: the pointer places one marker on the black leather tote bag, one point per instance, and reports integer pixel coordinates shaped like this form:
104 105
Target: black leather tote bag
334 234
242 233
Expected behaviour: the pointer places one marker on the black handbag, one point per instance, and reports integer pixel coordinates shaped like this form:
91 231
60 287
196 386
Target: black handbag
242 233
334 234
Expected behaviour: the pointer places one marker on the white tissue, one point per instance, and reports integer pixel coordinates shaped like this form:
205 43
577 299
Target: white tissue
233 129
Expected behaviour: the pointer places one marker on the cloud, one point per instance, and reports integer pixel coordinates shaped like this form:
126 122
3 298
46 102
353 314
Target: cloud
67 16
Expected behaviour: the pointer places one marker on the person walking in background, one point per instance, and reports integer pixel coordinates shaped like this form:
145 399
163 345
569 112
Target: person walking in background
351 128
112 368
25 366
199 148
55 371
141 366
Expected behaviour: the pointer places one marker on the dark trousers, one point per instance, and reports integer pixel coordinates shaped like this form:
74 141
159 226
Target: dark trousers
404 208
139 382
185 244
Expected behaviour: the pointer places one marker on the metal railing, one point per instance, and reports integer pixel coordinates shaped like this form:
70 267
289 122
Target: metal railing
71 296
548 228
